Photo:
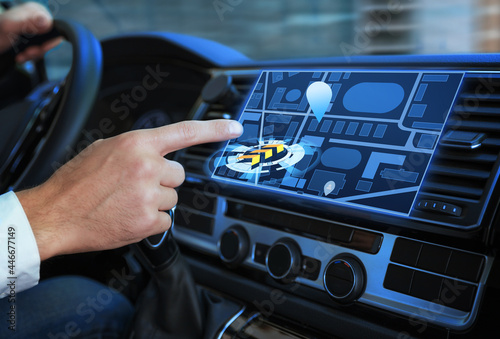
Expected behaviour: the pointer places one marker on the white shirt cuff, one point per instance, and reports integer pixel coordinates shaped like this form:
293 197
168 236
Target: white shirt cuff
19 257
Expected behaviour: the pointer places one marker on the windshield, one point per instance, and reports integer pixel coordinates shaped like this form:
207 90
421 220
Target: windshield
282 29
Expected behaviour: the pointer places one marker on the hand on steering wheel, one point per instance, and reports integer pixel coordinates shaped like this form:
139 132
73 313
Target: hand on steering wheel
26 20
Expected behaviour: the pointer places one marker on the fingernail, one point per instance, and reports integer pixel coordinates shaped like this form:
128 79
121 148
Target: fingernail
235 128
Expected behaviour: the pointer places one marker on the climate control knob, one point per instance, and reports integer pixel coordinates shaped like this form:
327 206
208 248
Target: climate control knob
344 278
233 245
283 259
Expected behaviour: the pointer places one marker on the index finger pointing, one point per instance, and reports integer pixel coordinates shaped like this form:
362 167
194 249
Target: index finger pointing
188 133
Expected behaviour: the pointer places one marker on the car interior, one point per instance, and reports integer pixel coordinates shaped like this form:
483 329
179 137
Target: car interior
368 211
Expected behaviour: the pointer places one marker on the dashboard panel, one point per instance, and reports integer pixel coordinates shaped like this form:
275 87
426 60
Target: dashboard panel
266 222
401 244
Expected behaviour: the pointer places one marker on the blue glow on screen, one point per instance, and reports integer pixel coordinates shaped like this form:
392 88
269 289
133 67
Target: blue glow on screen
371 148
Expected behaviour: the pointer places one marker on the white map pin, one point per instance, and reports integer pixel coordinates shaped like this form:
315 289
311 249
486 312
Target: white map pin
319 95
329 187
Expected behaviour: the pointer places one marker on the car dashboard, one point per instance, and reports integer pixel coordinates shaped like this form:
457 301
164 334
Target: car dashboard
301 265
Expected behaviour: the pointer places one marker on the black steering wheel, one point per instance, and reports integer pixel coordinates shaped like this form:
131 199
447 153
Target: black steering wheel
37 137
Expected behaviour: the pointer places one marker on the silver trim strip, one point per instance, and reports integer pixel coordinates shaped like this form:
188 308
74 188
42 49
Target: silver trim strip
230 322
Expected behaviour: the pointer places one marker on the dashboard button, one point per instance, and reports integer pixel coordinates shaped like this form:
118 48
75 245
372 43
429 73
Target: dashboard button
195 222
310 268
340 233
340 269
196 199
398 278
260 253
458 294
283 260
233 245
433 258
451 209
426 286
406 251
339 286
344 278
229 243
439 207
465 266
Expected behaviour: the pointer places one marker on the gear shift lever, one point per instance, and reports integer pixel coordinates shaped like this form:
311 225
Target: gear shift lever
169 307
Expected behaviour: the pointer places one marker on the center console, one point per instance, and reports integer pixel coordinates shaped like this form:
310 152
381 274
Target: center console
382 206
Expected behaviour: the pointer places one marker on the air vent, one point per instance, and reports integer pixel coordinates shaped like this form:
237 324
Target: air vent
465 164
194 158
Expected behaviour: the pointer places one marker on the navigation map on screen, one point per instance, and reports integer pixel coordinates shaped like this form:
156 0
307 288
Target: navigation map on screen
360 138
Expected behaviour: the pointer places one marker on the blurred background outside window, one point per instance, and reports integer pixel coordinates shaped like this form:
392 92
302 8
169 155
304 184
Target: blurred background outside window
283 29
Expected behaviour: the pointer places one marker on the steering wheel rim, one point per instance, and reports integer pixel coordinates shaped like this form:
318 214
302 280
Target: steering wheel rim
77 97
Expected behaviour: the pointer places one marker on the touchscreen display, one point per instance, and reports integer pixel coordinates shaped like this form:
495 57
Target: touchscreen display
361 138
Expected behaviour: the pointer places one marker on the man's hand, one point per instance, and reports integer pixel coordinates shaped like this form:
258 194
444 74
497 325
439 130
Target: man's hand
115 191
28 19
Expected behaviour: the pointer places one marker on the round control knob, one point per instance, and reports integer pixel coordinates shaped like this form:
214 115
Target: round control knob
220 89
233 245
283 259
344 278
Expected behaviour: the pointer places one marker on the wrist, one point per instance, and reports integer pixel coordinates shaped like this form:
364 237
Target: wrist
40 214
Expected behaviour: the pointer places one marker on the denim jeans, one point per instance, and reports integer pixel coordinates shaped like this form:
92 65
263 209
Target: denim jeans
67 307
